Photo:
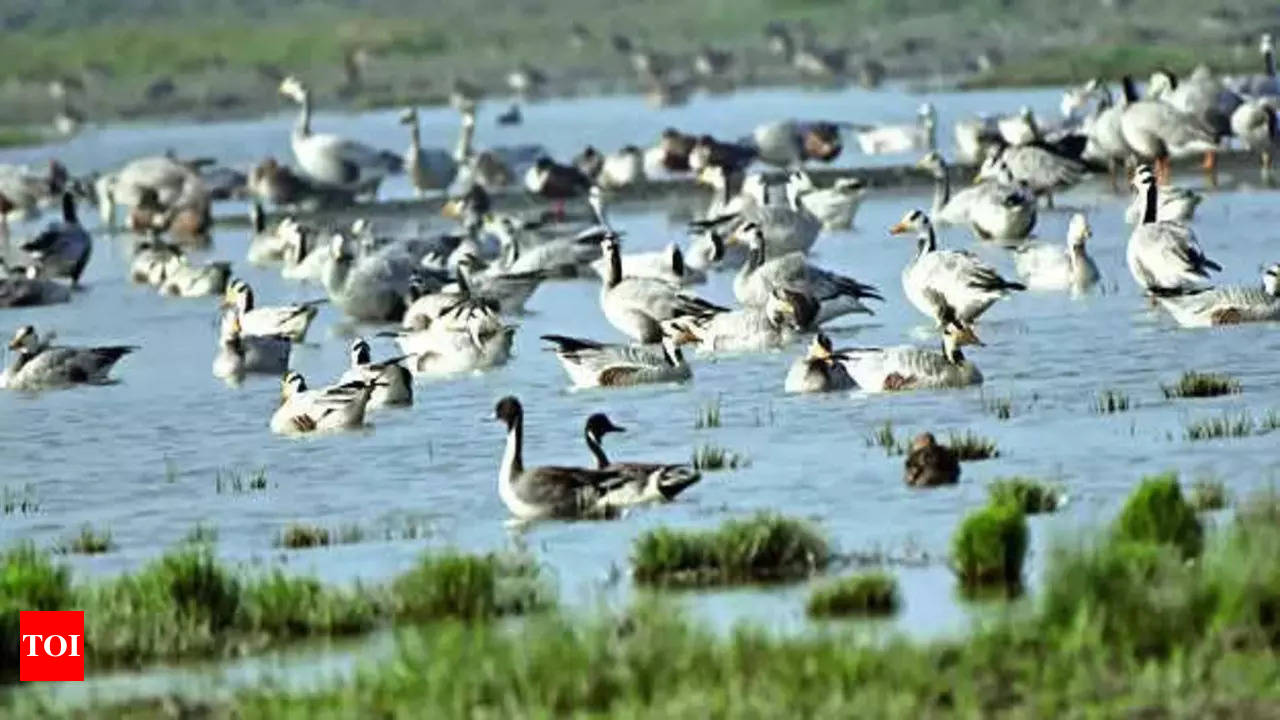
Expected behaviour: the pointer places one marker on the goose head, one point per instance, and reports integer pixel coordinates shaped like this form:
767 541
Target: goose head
914 221
338 248
238 295
750 234
292 384
360 352
292 88
409 116
599 425
1162 82
508 411
1078 231
1271 279
1267 45
24 338
927 114
957 334
1143 177
933 162
821 347
789 308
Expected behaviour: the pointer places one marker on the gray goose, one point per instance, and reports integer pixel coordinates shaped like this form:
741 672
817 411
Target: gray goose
38 364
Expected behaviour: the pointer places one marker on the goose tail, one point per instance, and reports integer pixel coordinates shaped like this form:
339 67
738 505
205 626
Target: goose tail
673 480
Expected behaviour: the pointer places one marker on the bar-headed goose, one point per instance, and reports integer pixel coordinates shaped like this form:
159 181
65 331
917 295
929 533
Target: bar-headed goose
477 341
564 257
836 295
1156 131
1254 123
819 370
957 276
179 278
239 354
1173 204
1200 96
834 206
1164 256
667 265
908 367
303 411
38 364
63 248
332 159
789 143
593 364
639 306
788 225
751 329
894 139
1230 305
998 208
392 382
292 321
428 168
266 245
646 482
1051 267
1042 168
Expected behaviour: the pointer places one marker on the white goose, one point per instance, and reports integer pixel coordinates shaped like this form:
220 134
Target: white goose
1254 124
895 139
37 364
332 159
1052 267
1229 305
648 482
994 209
292 321
592 364
392 382
818 370
913 368
328 409
1164 256
472 344
958 277
266 245
1156 131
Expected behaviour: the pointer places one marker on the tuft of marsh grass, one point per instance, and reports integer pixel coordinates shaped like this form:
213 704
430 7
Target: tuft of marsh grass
970 446
304 535
20 502
87 542
1033 496
1157 513
712 458
989 548
29 580
1227 425
765 546
235 481
201 534
883 437
1194 384
708 416
1001 408
1269 422
1208 494
1110 402
456 585
866 593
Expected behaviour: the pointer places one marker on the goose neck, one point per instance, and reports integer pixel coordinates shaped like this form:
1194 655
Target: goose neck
513 457
941 187
463 150
615 267
927 241
303 126
597 450
1149 211
1269 62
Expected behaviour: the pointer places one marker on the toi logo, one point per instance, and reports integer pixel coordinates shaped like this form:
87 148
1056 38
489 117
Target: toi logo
51 645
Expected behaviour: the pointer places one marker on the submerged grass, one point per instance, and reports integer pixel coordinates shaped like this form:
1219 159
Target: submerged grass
1110 402
1194 384
764 547
884 437
87 542
20 502
1001 408
1227 425
1033 496
236 481
866 593
306 535
711 458
708 416
971 447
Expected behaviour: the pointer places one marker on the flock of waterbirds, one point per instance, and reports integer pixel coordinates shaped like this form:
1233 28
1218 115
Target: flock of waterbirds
457 296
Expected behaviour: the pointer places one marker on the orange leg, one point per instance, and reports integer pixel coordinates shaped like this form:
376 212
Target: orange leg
1211 168
1163 171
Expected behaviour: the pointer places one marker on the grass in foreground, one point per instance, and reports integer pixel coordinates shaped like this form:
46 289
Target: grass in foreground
867 593
1033 496
1156 513
764 547
1208 494
989 548
972 447
712 458
1194 384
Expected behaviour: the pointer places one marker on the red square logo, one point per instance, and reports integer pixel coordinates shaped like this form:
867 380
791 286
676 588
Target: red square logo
51 645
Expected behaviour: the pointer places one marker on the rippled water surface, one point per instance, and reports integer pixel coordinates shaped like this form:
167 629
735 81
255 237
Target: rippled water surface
140 457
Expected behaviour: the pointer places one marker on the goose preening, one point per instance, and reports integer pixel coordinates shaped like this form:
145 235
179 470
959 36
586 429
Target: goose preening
332 159
790 143
834 206
751 329
508 290
994 209
240 353
818 370
392 382
292 321
1164 256
24 287
1156 131
428 168
38 364
646 482
908 367
958 277
187 221
1052 267
563 257
639 306
929 464
921 135
593 364
1043 169
1254 124
1229 305
63 248
835 295
372 287
328 409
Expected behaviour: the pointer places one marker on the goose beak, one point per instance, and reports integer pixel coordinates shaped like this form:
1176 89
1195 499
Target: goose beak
452 209
967 336
899 229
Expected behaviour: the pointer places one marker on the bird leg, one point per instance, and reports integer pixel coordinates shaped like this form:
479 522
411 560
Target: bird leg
1113 173
1211 167
1163 171
1266 167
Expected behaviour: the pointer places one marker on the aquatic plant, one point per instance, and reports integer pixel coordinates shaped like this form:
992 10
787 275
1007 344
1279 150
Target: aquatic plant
1001 408
87 542
456 585
305 535
1156 512
865 593
989 547
235 481
1208 494
201 534
765 546
29 580
1110 402
971 446
1194 384
883 437
708 416
711 458
1033 496
21 501
1227 425
1269 422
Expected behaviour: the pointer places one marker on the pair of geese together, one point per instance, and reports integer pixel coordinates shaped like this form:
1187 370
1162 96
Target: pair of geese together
365 386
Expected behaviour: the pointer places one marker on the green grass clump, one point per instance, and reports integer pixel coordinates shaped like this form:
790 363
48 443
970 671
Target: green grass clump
712 458
883 437
971 447
29 580
708 416
1194 384
1227 425
989 547
868 593
302 535
763 547
469 587
1208 494
1032 496
87 542
1110 402
1157 513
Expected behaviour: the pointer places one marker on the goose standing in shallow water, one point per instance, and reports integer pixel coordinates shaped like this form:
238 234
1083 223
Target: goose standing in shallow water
997 208
1051 267
646 482
427 168
1254 122
818 370
957 277
332 159
1229 305
37 364
333 408
62 249
1156 131
392 382
1164 256
240 354
292 321
908 367
592 364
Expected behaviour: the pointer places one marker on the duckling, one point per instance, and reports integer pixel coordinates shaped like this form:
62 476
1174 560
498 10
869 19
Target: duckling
929 464
818 370
37 364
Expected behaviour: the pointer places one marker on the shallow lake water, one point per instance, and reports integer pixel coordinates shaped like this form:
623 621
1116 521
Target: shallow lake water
140 457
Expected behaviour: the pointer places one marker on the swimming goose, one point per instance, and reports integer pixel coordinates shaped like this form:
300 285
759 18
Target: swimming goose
667 265
333 408
638 306
548 491
788 226
171 180
1254 123
993 209
1050 267
789 143
291 321
1200 95
24 287
1229 305
508 290
392 382
929 464
1173 204
179 278
750 329
427 168
592 364
706 250
550 180
670 155
836 295
38 364
476 341
908 367
834 206
332 159
957 276
63 248
564 257
373 287
893 139
1042 168
1164 256
647 482
266 246
239 354
818 370
305 260
1155 131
